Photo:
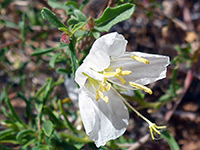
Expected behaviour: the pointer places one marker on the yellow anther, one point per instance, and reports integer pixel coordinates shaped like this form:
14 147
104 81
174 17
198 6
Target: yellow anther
124 73
121 79
108 87
119 70
118 74
99 94
108 69
140 59
66 100
141 87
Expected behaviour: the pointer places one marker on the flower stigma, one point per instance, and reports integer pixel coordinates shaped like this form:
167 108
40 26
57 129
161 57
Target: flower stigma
154 129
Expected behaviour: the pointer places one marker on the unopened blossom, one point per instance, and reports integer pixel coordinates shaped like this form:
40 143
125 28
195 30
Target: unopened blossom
102 108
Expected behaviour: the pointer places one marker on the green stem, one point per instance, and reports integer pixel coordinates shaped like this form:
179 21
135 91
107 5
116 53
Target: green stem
73 55
76 138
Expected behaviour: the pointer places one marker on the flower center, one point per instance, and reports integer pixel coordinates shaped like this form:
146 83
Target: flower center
104 88
118 74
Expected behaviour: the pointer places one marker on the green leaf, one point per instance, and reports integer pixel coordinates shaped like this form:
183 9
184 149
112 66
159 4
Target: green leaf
73 55
56 4
22 27
165 98
78 26
51 17
63 29
170 139
72 21
71 6
6 133
22 135
28 104
96 34
44 51
53 117
41 147
68 123
112 16
63 71
13 112
53 60
48 88
80 16
83 4
47 128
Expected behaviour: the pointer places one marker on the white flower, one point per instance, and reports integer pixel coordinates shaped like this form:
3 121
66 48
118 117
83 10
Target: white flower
71 88
103 112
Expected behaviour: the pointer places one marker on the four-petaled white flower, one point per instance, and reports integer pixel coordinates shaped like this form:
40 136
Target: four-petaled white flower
103 112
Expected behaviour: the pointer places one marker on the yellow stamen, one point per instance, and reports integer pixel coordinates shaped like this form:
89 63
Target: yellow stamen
121 79
118 74
66 100
141 87
108 87
124 73
140 59
99 94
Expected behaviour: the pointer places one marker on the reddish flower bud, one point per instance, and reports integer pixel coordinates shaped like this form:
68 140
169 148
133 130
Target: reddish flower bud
65 38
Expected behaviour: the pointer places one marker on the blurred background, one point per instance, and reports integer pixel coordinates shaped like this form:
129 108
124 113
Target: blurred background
167 27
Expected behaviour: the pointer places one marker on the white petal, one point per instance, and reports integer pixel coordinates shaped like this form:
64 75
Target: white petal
80 78
112 44
72 89
142 73
102 121
98 60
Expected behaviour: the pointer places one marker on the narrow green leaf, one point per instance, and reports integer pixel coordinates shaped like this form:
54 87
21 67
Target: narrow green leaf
63 71
80 16
53 118
112 16
53 60
44 51
83 4
56 4
73 55
69 125
72 21
41 147
22 134
51 17
170 139
63 29
71 6
6 133
47 127
78 26
59 82
13 112
28 104
48 88
22 27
